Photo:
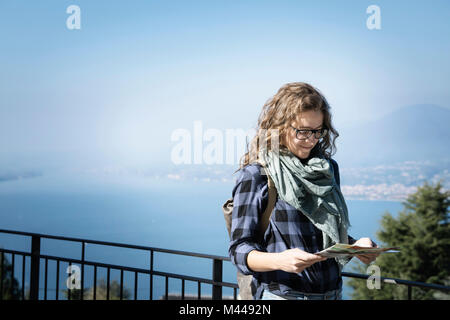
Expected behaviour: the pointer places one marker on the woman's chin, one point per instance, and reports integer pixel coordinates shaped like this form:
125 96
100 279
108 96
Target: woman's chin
302 154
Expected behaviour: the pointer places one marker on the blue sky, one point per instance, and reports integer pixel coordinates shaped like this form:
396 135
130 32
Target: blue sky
112 92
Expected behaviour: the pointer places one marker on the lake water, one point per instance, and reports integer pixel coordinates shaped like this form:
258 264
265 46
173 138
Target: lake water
159 213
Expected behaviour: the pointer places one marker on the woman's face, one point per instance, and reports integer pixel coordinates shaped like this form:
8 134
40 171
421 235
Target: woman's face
305 120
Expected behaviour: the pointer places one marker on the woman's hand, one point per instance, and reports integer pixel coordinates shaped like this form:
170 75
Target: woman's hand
367 257
296 260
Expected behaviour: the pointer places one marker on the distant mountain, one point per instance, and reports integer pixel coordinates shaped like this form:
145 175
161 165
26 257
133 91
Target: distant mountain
16 176
412 133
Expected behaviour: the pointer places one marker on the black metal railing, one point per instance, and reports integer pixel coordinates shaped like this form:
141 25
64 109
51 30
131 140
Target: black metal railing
216 280
35 257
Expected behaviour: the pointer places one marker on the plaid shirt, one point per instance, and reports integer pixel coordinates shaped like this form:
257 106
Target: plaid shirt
288 228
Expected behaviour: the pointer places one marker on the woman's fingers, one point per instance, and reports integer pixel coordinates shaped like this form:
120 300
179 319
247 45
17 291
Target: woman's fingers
363 259
296 260
307 257
305 260
367 258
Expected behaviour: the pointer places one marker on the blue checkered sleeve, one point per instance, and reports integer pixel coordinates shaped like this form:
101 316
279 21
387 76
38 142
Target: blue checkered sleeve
250 197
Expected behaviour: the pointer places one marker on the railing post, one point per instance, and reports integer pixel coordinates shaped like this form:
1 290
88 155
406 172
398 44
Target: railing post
35 262
151 275
83 249
2 274
217 277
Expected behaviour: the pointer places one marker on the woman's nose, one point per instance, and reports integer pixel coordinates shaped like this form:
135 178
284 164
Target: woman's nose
311 140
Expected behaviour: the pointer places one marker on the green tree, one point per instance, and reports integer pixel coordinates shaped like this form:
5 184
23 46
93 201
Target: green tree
114 291
11 288
101 292
422 231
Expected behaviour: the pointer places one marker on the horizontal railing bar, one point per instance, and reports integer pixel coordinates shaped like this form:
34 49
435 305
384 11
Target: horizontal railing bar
399 281
195 279
138 270
15 252
143 289
94 263
122 245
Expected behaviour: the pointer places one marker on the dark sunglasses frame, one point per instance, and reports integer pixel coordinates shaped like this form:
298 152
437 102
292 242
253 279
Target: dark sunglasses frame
318 133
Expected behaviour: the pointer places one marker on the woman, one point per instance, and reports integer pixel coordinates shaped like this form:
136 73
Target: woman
294 142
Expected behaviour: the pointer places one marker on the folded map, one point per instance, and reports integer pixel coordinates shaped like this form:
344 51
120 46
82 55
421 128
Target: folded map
342 250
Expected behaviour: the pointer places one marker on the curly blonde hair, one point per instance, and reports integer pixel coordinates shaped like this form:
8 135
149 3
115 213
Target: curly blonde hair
278 113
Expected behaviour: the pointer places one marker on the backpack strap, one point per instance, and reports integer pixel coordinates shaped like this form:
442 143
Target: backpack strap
265 218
